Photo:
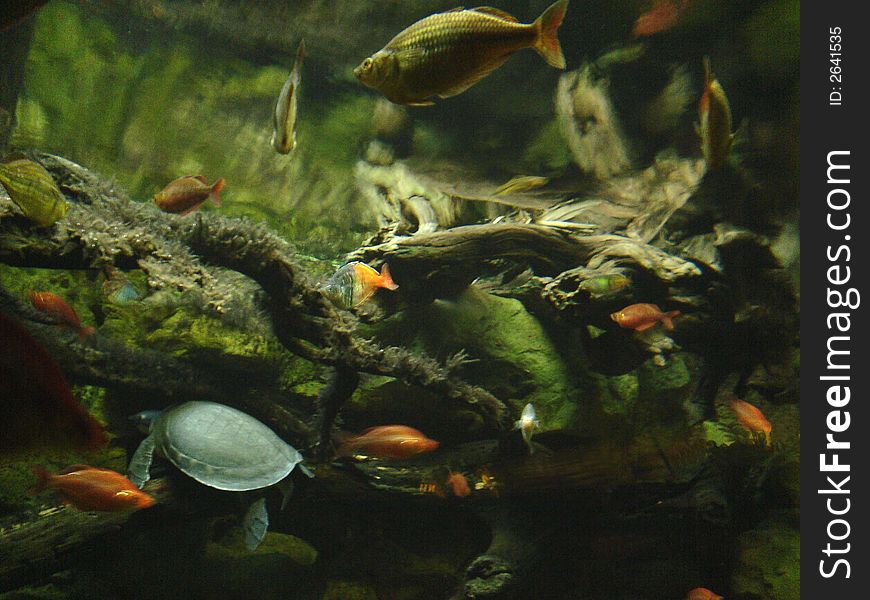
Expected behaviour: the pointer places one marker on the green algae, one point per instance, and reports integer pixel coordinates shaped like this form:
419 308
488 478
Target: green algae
220 107
768 563
547 151
623 394
511 353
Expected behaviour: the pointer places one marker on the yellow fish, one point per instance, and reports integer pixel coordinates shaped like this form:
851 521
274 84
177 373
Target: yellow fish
715 115
521 183
31 187
284 132
446 53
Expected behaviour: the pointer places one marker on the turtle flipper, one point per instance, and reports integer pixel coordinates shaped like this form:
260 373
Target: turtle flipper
138 471
286 487
255 523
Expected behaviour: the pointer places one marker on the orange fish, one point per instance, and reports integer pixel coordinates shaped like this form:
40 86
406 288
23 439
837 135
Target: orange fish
702 594
89 488
641 317
387 441
56 307
751 418
356 282
38 408
459 484
663 15
187 194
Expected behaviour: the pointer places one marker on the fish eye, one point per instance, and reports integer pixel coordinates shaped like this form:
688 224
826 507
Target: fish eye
367 64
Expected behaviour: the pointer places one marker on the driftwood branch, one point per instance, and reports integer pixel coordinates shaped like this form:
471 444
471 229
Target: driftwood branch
57 538
549 250
193 254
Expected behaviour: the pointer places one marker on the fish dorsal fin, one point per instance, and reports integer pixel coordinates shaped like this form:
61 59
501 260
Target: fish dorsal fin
457 9
201 178
496 13
74 468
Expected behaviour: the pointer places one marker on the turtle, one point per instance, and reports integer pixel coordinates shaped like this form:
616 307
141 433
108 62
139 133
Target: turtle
221 447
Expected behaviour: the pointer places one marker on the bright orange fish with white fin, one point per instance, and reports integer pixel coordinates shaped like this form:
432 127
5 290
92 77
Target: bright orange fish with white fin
751 418
641 317
356 282
388 441
56 307
444 54
702 594
89 488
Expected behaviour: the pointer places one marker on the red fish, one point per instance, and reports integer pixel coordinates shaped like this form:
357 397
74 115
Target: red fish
38 408
459 484
186 194
751 418
641 317
663 15
90 488
56 307
388 441
702 594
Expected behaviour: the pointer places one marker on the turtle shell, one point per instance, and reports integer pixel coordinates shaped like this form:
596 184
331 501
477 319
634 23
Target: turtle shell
222 447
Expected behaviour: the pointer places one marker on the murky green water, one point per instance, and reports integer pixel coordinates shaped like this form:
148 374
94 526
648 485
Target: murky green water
637 288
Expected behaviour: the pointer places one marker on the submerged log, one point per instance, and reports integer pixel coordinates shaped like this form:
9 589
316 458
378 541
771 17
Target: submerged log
104 229
550 250
499 481
56 539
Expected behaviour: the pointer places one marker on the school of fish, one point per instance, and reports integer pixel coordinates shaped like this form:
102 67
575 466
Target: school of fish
437 57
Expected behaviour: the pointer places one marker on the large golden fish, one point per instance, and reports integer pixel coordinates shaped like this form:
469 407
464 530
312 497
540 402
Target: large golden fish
446 53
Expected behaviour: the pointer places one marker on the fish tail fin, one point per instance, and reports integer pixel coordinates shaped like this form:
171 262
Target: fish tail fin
300 50
547 44
84 332
387 278
667 319
42 479
215 195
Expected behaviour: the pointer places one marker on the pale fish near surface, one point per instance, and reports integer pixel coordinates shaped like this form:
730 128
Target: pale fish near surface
286 111
527 423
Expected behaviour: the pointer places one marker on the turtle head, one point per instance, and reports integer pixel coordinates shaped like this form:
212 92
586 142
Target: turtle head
143 420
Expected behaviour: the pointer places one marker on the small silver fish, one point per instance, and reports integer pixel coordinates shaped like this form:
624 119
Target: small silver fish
284 133
527 423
